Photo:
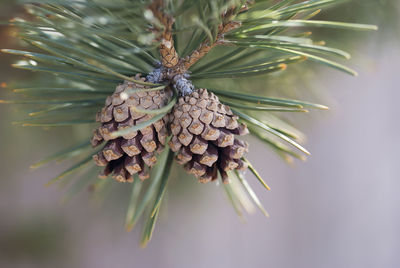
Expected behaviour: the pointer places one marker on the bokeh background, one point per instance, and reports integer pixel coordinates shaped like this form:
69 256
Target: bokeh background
338 209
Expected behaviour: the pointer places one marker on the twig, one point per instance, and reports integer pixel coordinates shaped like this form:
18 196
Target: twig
205 47
169 56
227 25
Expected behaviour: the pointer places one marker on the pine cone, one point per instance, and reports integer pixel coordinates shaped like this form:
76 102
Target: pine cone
204 132
133 152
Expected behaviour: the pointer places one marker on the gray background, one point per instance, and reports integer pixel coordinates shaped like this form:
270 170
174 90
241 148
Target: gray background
338 209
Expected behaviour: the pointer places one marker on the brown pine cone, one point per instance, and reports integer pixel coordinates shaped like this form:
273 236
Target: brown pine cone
204 132
133 152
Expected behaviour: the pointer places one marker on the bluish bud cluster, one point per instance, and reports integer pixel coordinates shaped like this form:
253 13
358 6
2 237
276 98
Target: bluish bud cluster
156 76
183 85
180 82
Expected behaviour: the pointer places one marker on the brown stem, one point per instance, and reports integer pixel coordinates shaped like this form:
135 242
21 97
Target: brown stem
205 47
169 56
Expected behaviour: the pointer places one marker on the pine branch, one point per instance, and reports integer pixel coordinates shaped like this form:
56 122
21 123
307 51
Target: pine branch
169 55
161 112
207 45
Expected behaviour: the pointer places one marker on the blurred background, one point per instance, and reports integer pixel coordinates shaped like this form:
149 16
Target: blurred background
338 209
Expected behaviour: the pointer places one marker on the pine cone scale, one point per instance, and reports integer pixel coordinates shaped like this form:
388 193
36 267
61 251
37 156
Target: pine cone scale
204 132
134 152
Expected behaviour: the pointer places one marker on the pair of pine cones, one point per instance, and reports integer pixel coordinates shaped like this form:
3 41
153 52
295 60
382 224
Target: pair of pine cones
203 134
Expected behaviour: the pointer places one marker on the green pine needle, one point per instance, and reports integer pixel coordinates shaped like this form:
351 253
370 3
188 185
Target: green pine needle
87 48
256 174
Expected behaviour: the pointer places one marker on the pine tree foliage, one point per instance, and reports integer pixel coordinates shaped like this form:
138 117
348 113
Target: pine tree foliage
85 48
